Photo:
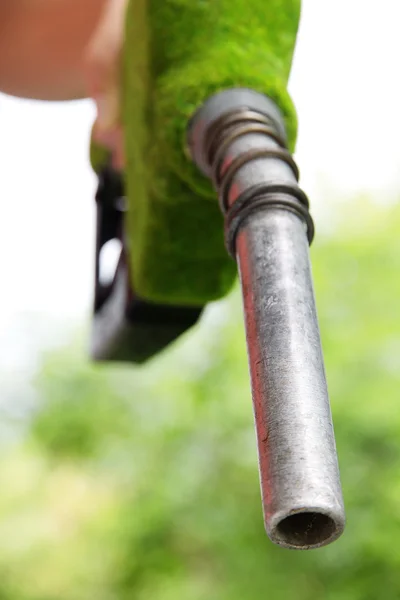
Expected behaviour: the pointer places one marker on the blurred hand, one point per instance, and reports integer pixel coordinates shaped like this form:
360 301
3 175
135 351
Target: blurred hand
103 72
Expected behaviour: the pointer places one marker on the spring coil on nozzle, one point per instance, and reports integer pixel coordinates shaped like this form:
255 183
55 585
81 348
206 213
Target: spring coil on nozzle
220 136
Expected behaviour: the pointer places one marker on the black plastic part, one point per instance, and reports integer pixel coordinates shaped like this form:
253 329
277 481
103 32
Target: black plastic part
125 327
109 224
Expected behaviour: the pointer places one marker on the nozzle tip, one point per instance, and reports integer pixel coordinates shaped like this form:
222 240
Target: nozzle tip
306 529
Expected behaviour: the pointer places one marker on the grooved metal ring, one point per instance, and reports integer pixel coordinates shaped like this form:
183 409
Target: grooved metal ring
246 157
267 187
229 138
234 219
241 115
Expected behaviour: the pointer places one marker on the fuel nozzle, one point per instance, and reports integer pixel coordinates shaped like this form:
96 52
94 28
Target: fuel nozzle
237 138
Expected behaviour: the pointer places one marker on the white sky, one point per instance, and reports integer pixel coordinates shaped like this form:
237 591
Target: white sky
345 84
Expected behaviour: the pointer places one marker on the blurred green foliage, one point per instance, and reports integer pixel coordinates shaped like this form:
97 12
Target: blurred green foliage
141 483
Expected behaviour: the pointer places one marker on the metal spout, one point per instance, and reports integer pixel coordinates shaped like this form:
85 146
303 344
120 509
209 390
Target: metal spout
238 139
300 484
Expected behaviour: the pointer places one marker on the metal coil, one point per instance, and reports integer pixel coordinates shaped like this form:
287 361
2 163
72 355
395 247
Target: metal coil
226 130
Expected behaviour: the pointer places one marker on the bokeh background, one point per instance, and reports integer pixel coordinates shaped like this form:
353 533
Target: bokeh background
141 483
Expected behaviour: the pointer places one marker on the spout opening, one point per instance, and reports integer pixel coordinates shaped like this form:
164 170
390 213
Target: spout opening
305 530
